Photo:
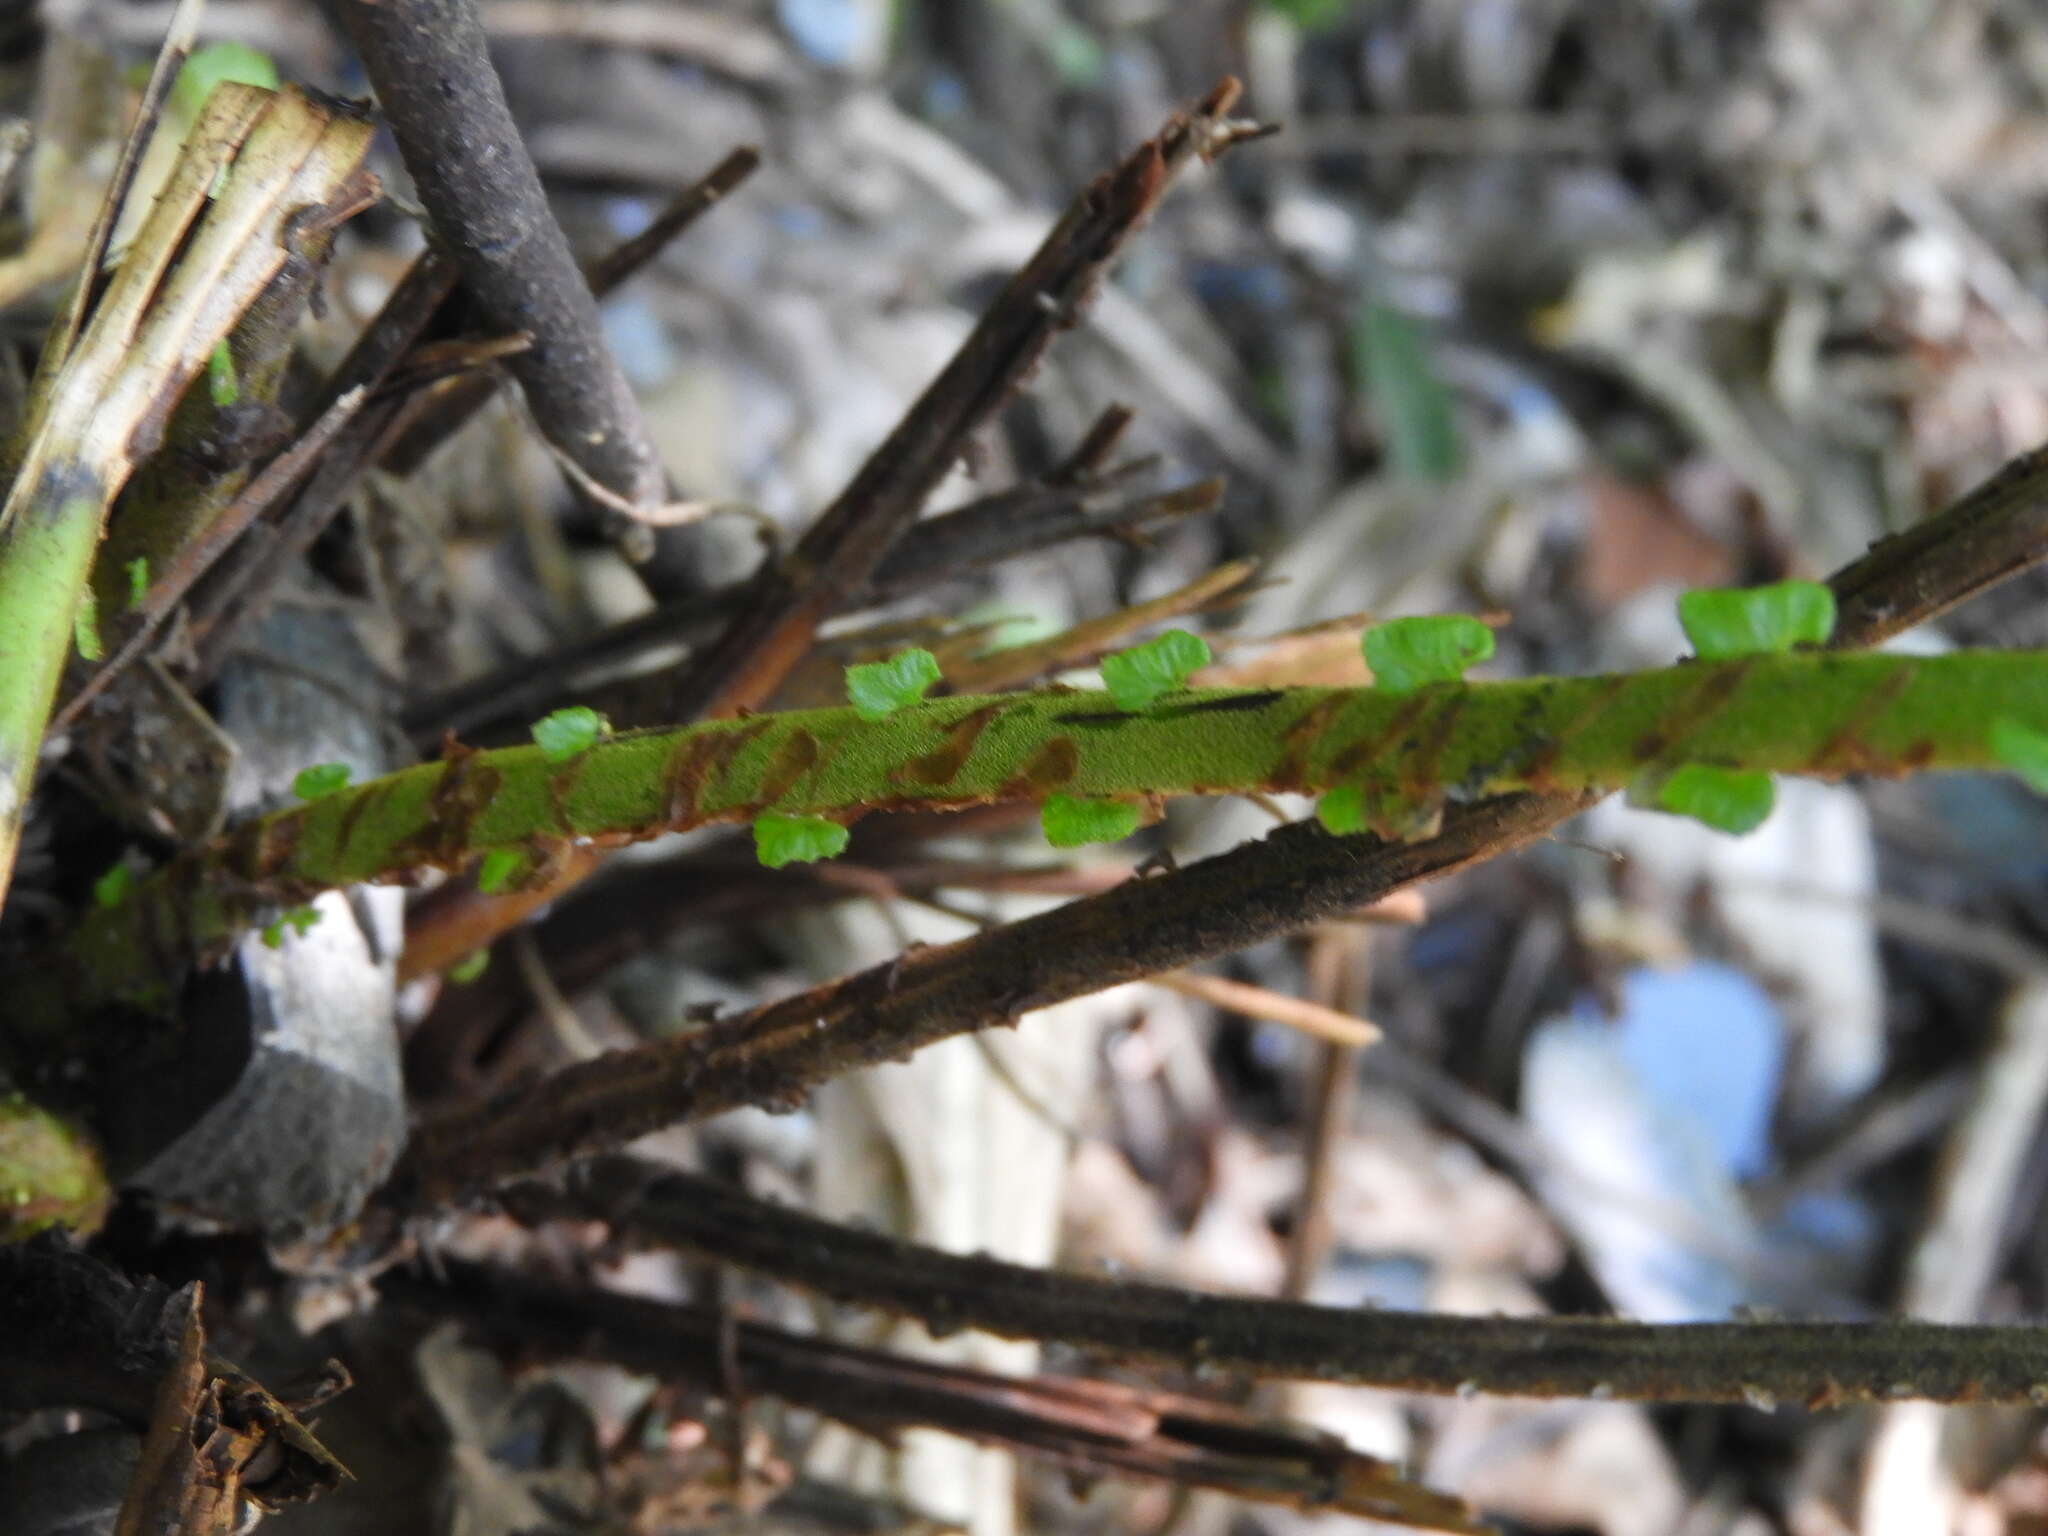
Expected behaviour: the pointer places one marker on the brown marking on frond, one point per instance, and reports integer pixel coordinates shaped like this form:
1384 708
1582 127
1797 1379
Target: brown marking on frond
696 760
1051 766
1299 744
1544 750
1422 763
943 763
241 850
1714 692
797 755
1842 753
1352 762
462 792
358 803
561 783
276 841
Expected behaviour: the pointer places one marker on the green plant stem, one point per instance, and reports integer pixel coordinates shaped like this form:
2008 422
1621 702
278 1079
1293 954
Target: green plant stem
44 557
1824 715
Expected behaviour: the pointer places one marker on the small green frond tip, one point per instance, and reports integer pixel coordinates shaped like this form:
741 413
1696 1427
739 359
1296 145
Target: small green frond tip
563 734
1412 653
2022 749
1734 800
1726 622
1342 810
298 919
214 64
320 781
85 626
494 875
877 689
1146 673
780 839
469 967
111 889
1073 822
223 386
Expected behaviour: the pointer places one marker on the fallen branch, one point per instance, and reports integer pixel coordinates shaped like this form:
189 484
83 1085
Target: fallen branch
1090 1428
432 70
1818 1365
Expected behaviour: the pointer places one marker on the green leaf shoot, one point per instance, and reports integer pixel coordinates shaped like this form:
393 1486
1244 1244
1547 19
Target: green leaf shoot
780 840
2022 749
1146 673
469 967
494 876
85 626
1726 622
1407 654
1736 800
877 689
320 781
298 919
215 64
1071 821
138 580
1392 360
1342 810
112 888
223 386
567 732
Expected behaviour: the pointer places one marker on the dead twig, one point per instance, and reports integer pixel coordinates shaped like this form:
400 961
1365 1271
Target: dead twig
1821 1365
840 553
454 406
778 1053
429 62
1091 1428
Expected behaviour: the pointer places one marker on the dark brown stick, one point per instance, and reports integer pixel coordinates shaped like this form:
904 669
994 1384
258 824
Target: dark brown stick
1091 1427
434 80
1996 531
456 405
389 428
776 1054
236 589
838 556
1819 1365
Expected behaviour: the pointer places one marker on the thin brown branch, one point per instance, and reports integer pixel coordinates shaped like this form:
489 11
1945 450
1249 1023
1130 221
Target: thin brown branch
982 533
1819 1365
1339 977
455 405
839 555
432 70
635 908
1339 1030
1996 531
776 1054
1092 1428
239 584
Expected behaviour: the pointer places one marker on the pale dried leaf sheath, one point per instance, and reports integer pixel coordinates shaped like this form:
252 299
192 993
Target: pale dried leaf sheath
220 231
